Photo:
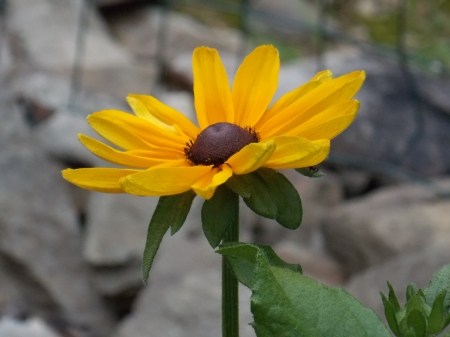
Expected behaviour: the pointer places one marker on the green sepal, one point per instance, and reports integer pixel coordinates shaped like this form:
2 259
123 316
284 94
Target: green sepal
242 258
218 213
416 321
268 193
390 314
289 210
286 303
393 298
255 192
183 203
411 290
436 318
170 211
311 172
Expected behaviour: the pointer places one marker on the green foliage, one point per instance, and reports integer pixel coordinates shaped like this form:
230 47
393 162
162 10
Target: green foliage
219 213
286 303
311 172
269 194
242 258
171 211
426 313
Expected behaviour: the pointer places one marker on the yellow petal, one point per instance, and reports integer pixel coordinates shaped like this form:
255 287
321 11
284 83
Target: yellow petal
98 179
251 157
121 128
116 134
255 84
144 159
141 111
294 95
296 152
150 108
329 123
332 92
206 186
212 95
160 181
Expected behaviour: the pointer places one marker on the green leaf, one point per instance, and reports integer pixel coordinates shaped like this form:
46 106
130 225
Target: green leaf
436 318
288 203
240 184
446 321
311 172
411 290
389 313
242 258
393 298
170 211
410 333
183 203
218 213
416 321
286 303
439 282
255 192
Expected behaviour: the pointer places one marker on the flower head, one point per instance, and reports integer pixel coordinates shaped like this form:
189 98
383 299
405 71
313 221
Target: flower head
165 153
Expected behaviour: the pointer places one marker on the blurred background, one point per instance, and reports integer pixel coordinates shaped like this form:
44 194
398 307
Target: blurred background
70 259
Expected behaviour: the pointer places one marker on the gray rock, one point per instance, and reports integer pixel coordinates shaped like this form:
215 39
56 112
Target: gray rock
53 92
104 63
115 239
40 242
288 20
183 295
139 31
393 220
116 228
315 264
57 137
413 267
31 327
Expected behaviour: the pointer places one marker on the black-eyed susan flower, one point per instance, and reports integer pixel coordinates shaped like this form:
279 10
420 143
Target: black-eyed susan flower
238 131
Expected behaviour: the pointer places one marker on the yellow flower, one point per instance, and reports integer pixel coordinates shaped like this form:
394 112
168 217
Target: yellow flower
166 154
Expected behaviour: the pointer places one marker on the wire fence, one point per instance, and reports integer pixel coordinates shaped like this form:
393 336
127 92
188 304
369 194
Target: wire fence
322 35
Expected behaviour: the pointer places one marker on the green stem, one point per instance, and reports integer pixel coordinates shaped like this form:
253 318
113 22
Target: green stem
230 310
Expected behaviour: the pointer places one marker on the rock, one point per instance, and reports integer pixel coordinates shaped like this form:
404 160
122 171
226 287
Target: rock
53 92
413 267
315 264
40 245
116 227
183 295
285 19
367 231
32 327
140 29
103 63
57 137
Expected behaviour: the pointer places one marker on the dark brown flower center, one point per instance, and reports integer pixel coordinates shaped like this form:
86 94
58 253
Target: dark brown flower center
218 142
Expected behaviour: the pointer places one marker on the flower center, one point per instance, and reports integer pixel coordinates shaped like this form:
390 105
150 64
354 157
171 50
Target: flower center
218 142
